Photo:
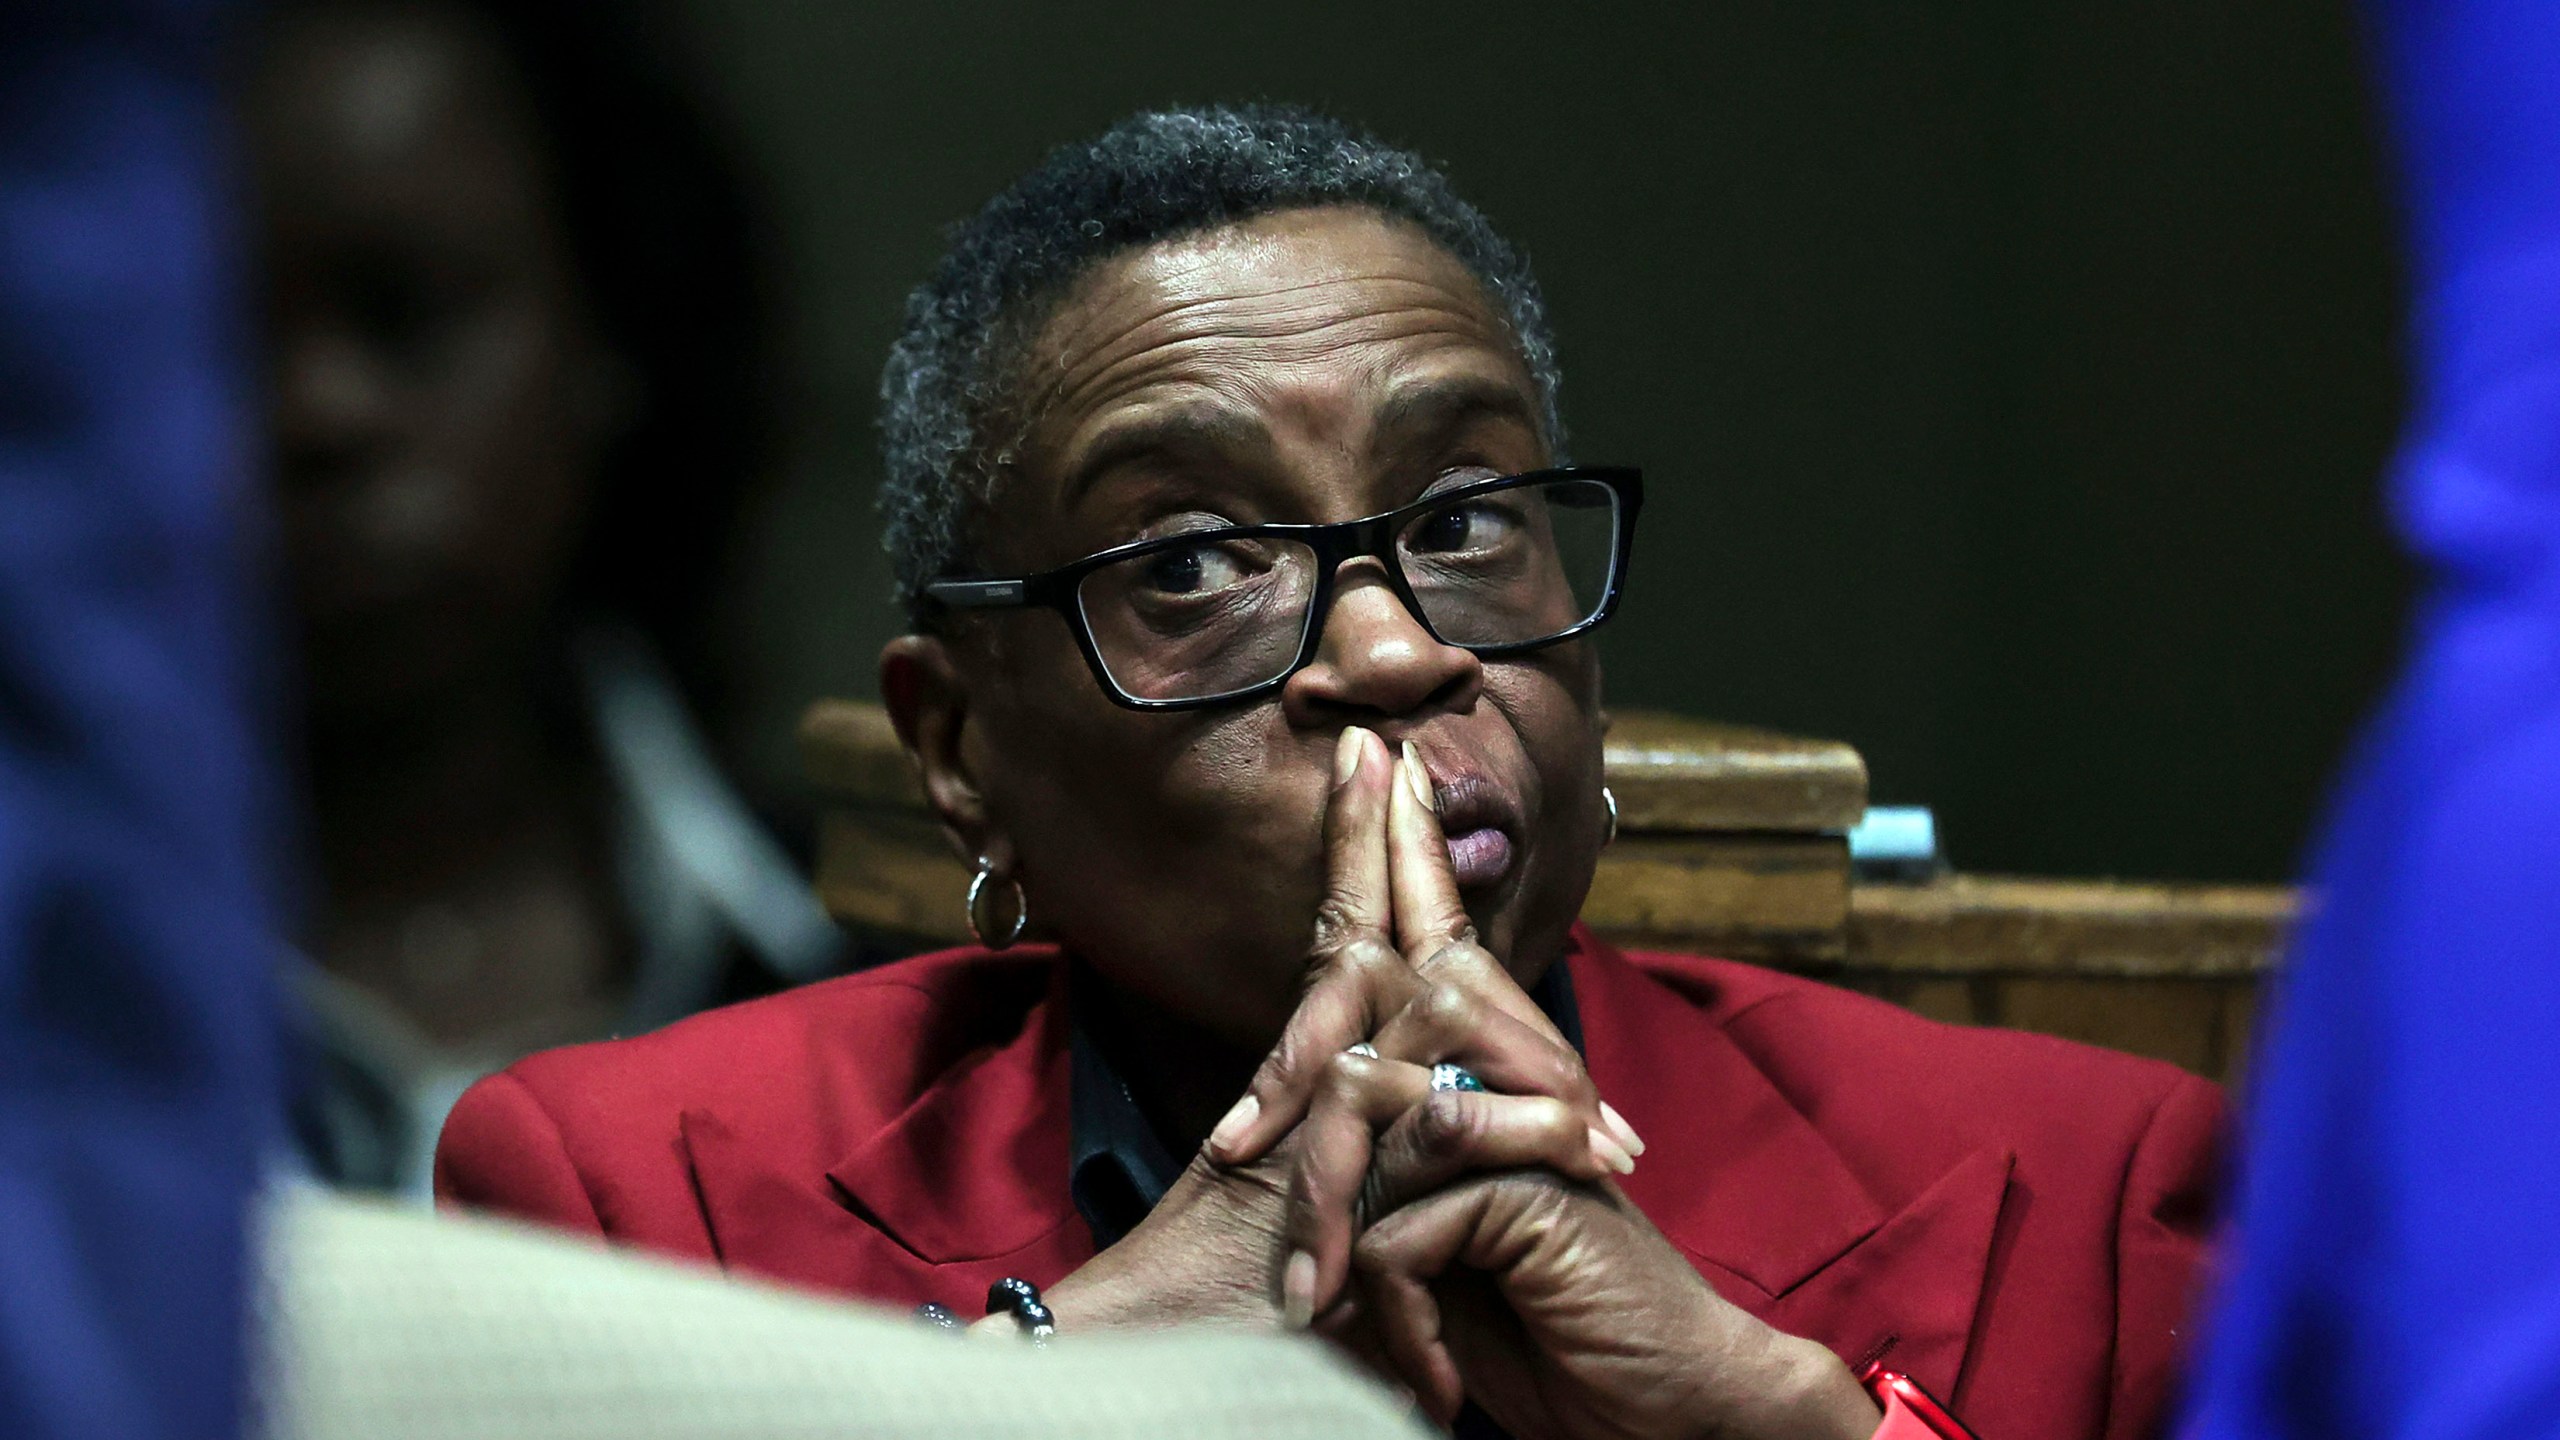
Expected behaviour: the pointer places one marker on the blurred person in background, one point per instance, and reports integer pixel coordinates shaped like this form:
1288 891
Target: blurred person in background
524 388
138 1046
2395 1270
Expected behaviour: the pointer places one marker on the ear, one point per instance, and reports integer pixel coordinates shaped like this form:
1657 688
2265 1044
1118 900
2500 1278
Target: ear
928 703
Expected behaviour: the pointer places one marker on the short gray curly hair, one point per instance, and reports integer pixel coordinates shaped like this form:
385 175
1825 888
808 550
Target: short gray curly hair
1152 177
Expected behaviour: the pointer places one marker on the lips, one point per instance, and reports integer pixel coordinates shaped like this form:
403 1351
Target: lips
1478 817
1480 856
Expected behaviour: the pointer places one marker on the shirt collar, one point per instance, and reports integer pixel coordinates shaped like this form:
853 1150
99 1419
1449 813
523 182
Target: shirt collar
700 875
1117 1168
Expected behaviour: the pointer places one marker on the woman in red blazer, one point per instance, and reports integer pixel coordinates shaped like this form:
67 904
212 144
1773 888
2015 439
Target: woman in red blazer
1301 775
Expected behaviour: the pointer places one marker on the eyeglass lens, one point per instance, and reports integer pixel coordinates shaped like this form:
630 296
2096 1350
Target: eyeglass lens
1507 567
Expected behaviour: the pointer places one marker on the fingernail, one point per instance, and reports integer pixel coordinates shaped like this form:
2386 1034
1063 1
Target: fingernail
1610 1153
1420 779
1346 755
1618 1126
1298 1290
1231 1127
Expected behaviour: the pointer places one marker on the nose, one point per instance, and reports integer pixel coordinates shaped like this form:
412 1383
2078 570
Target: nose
1376 659
332 406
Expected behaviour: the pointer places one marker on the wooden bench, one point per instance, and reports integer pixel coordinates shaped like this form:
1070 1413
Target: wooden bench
1731 841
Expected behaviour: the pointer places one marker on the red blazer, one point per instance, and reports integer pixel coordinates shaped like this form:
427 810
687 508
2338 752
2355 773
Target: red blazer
2020 1219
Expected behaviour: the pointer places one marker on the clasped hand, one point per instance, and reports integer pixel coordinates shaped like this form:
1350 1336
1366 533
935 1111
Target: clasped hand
1466 1243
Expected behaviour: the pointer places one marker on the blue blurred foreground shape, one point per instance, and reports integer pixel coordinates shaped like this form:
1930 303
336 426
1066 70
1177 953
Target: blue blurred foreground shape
136 1037
2398 1263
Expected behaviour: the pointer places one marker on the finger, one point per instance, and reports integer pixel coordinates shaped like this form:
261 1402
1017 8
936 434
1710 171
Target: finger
1524 1265
1432 926
1351 932
1454 1132
1344 1171
1397 1262
1364 982
1347 1327
1420 871
1423 884
1464 962
1495 1223
1357 896
1438 1025
1329 1166
1404 1331
1472 1026
1341 1173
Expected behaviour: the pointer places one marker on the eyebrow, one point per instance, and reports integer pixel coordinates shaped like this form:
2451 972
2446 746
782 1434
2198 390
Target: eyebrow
1183 433
1428 410
1415 415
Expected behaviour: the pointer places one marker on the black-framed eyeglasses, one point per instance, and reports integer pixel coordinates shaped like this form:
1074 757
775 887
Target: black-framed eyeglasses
1498 567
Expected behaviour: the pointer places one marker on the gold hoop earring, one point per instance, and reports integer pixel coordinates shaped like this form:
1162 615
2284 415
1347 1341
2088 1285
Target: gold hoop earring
1610 836
996 921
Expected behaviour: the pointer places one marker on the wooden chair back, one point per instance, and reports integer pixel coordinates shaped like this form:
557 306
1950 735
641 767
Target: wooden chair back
1731 841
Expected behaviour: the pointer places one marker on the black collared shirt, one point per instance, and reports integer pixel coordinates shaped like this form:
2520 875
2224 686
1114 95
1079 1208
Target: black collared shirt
1119 1168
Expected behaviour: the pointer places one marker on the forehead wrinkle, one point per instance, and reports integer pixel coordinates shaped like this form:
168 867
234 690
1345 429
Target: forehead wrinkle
1311 388
1236 319
1273 361
1135 362
1179 325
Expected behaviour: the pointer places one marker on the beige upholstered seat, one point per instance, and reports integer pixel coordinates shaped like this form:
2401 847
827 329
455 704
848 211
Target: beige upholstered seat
391 1324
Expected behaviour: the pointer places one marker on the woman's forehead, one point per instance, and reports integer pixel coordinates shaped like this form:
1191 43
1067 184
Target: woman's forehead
1290 275
1314 319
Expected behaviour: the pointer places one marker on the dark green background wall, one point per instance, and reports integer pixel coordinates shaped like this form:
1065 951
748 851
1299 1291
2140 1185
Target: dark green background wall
2012 377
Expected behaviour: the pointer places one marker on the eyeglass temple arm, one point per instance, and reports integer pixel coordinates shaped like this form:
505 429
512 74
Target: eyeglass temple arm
977 594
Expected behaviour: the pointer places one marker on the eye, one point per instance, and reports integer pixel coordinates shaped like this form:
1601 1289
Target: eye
1475 525
1191 570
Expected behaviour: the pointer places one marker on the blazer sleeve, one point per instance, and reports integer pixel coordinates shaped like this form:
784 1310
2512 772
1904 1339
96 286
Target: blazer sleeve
501 1150
2162 1236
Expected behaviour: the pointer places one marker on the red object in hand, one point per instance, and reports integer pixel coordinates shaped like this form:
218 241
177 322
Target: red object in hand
1910 1413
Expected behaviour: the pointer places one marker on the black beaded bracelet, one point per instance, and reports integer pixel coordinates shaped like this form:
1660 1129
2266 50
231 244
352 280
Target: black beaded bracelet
938 1316
1021 1299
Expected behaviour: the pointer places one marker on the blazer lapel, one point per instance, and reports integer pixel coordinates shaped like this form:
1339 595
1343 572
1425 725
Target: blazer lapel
1763 1203
1907 1293
978 1165
973 1174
